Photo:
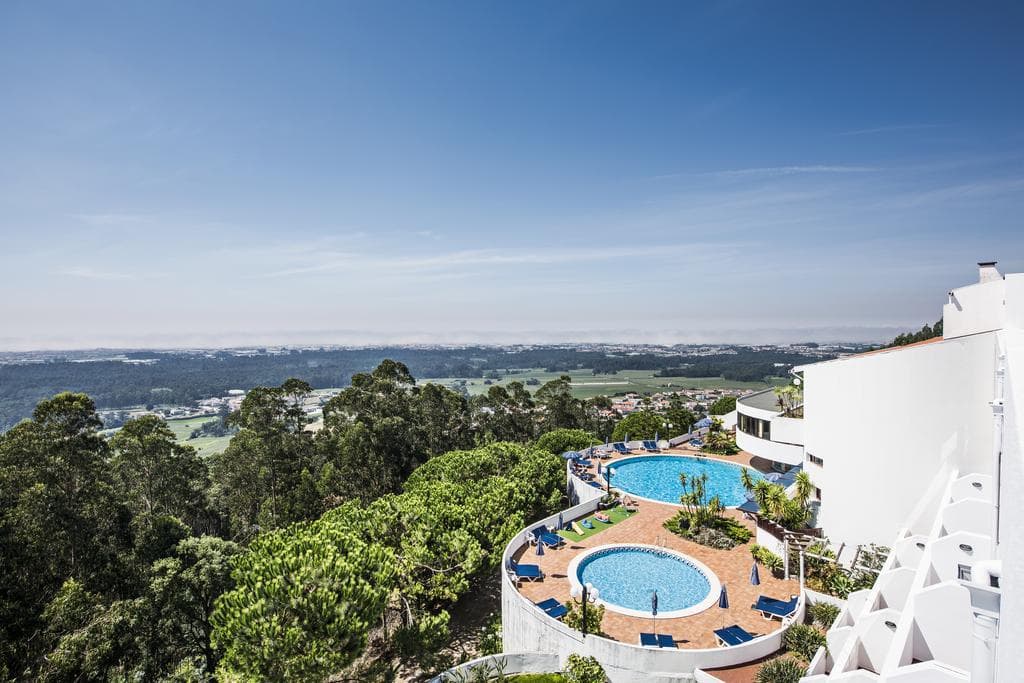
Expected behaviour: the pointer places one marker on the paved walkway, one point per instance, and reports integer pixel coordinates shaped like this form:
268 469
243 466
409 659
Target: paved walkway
646 526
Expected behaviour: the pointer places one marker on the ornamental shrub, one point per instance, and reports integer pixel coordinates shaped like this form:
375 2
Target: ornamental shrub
580 669
735 530
803 640
781 670
574 618
766 557
712 538
823 613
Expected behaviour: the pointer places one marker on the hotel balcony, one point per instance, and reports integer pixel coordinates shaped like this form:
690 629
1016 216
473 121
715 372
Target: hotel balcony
763 430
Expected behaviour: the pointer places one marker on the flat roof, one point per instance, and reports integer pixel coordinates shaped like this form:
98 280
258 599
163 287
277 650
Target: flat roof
888 349
762 400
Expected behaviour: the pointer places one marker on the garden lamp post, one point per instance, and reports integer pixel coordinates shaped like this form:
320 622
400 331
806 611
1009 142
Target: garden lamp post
585 593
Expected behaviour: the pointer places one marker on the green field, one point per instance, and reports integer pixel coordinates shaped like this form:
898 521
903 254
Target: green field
585 384
206 445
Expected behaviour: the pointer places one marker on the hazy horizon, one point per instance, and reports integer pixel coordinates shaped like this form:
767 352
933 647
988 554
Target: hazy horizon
267 173
328 338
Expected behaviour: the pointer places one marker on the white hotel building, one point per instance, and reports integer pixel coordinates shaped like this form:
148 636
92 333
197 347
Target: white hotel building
920 448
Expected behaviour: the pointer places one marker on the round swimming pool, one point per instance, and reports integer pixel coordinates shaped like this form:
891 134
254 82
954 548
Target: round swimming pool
656 477
627 575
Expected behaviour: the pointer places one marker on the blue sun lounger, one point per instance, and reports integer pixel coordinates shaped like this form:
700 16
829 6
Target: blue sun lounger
526 572
544 535
771 608
621 448
657 640
651 447
553 608
584 463
732 635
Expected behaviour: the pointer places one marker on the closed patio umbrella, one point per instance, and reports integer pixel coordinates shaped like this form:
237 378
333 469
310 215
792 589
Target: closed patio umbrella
540 547
654 611
561 525
755 576
723 602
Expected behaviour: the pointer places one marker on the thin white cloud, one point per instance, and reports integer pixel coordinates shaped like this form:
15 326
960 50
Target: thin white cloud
789 170
110 219
87 273
893 129
489 257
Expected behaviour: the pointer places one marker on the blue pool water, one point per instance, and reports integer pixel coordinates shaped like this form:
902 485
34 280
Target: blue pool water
627 577
657 477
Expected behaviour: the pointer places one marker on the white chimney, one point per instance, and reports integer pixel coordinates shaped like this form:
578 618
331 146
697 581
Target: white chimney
987 271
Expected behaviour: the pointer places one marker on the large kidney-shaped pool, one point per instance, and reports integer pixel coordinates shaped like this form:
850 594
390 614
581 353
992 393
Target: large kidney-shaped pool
656 477
627 575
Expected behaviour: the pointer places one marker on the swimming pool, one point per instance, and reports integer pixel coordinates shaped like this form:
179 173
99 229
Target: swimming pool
656 477
626 576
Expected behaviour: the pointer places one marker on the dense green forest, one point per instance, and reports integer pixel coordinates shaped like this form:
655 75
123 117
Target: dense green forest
289 556
181 378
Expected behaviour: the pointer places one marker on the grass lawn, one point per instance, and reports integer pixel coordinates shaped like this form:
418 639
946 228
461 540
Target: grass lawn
183 428
537 678
616 514
206 445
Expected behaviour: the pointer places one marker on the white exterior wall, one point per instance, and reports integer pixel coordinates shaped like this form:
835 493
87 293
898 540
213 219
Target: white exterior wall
1010 655
772 450
788 430
886 423
975 308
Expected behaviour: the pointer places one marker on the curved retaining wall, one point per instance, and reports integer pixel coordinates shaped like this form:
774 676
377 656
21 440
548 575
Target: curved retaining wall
527 629
510 663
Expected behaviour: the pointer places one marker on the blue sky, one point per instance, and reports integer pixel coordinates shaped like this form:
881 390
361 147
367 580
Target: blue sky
224 173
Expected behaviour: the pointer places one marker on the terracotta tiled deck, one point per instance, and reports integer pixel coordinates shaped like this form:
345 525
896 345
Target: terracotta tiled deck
645 526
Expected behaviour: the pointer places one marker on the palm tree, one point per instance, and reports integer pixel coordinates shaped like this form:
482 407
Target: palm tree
777 500
804 488
747 479
761 489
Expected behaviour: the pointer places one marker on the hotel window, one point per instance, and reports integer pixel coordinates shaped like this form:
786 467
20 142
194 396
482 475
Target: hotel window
755 427
816 460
